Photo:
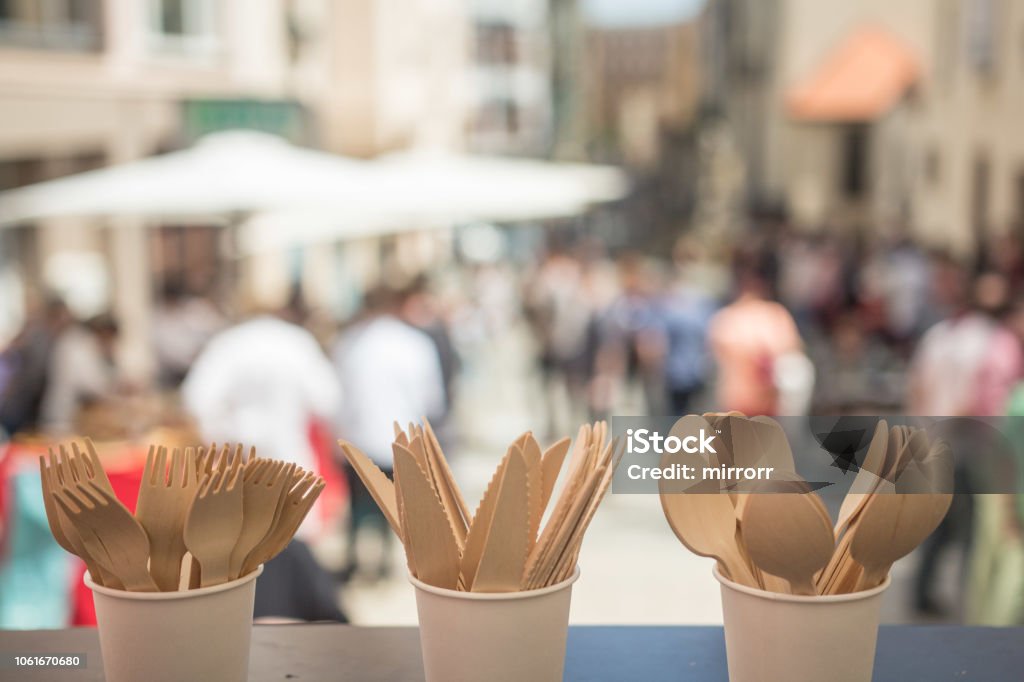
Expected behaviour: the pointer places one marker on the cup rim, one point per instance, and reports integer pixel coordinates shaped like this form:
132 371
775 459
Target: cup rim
800 598
177 594
495 596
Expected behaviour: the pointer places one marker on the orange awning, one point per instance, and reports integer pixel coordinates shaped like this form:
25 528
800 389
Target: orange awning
860 80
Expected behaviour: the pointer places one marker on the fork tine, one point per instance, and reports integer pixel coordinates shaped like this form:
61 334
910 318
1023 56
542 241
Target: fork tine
236 466
81 463
107 497
160 470
94 493
254 471
54 468
65 502
68 473
303 486
206 457
273 472
147 472
283 481
214 483
67 464
204 485
177 469
73 493
190 468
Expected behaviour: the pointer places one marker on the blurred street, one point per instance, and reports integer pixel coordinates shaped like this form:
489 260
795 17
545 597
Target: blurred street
288 222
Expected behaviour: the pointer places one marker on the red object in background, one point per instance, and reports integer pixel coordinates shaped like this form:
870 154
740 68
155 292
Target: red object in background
126 484
334 498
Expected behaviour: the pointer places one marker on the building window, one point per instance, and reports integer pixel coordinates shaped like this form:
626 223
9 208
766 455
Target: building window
495 43
982 25
933 167
183 27
1018 200
499 116
855 161
70 25
981 180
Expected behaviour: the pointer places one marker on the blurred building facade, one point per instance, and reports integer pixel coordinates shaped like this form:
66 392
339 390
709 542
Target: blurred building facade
874 115
89 83
510 106
641 82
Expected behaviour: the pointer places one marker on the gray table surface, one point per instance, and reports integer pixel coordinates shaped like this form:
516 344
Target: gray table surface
634 654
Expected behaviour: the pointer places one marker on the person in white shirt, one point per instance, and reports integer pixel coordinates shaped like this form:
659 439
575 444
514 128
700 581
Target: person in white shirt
262 383
389 371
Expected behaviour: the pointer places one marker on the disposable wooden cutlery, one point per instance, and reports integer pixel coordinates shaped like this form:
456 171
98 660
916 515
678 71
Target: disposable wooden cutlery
262 487
503 547
430 544
63 530
214 522
705 522
109 531
230 512
164 497
297 503
890 527
897 499
787 534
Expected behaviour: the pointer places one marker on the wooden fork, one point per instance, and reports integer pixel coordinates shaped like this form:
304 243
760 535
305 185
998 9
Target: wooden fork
213 523
264 484
162 508
63 529
109 531
297 503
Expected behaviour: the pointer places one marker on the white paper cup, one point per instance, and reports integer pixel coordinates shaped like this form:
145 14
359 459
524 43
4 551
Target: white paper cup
771 637
498 637
200 634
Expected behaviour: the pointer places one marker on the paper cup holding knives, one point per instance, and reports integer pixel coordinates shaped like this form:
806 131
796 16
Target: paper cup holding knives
771 636
201 634
494 636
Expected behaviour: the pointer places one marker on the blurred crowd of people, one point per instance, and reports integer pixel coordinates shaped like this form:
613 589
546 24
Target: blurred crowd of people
778 323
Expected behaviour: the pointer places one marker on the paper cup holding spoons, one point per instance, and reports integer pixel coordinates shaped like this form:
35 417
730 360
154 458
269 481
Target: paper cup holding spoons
494 636
771 636
201 634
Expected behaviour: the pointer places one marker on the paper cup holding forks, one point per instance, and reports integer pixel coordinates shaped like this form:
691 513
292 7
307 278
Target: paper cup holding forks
771 636
494 636
201 634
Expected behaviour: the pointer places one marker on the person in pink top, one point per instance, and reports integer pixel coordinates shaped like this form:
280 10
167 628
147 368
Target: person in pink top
747 337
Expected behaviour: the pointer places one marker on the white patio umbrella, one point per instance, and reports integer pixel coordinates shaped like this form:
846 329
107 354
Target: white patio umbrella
471 187
223 175
425 189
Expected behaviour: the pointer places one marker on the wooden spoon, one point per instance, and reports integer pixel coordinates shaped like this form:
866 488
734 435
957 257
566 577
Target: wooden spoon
867 479
765 437
890 526
788 534
705 522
